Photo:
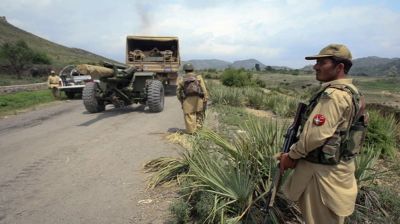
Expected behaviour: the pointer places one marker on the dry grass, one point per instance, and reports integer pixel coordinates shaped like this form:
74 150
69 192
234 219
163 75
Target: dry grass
180 139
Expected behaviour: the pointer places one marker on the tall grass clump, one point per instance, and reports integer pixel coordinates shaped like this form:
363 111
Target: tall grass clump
382 133
235 174
253 97
227 95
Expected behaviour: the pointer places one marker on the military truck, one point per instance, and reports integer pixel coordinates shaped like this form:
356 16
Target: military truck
155 54
120 85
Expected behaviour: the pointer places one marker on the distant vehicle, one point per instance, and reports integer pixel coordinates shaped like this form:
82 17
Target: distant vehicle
72 82
156 54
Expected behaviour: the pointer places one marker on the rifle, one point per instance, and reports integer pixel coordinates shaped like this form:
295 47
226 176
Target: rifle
290 139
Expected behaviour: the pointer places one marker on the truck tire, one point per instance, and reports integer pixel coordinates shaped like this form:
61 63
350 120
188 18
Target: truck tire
70 95
155 96
90 100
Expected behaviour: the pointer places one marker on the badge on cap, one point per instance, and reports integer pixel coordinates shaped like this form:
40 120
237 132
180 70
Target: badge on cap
319 119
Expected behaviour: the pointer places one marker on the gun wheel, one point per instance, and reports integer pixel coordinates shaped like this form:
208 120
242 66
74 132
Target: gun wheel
90 98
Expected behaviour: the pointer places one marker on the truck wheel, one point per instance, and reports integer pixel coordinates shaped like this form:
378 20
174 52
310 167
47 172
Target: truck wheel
155 96
90 100
70 95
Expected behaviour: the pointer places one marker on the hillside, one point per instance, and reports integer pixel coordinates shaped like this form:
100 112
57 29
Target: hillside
247 64
209 63
59 54
220 64
376 66
372 66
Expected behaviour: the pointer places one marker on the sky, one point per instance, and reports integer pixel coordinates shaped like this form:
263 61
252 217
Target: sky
275 32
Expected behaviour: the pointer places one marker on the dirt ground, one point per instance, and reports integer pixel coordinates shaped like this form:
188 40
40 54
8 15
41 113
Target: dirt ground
60 164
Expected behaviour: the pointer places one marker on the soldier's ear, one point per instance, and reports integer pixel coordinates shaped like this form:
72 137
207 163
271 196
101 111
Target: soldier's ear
340 67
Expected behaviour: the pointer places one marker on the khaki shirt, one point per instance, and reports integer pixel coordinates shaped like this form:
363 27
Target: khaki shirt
191 104
337 184
53 81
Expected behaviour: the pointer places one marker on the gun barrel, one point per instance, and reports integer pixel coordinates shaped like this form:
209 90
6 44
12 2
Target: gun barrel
94 71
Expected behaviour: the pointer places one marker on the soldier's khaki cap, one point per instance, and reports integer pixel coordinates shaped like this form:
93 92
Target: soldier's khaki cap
333 50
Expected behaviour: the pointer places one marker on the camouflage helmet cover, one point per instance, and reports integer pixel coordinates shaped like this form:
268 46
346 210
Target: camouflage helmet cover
188 67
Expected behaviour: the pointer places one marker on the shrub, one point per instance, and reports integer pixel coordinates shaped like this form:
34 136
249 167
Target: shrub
236 77
181 211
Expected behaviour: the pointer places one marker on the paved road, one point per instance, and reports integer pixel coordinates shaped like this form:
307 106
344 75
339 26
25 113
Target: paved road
60 164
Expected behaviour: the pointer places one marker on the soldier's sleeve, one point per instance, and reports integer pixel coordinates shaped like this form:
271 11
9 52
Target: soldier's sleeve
332 105
203 87
48 81
179 89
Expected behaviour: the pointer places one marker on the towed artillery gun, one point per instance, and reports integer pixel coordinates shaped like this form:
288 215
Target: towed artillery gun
120 85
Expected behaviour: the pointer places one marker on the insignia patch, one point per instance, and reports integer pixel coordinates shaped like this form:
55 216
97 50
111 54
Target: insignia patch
319 119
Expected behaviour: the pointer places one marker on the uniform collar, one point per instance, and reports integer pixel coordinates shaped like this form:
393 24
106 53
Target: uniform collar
337 81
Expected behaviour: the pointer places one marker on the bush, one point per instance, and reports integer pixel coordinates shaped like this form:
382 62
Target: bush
236 77
181 211
41 58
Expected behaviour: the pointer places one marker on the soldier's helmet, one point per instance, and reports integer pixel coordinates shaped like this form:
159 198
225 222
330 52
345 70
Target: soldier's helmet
188 67
52 72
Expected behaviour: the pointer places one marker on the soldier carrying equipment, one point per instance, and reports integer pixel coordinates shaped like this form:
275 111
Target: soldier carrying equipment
344 144
191 86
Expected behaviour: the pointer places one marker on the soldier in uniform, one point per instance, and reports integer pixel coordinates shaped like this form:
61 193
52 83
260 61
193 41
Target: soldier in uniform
323 181
53 82
193 105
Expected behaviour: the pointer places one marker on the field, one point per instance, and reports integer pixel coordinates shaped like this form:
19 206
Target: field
244 128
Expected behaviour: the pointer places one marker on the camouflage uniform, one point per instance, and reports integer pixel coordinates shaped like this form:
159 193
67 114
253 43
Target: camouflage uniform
53 82
325 193
193 106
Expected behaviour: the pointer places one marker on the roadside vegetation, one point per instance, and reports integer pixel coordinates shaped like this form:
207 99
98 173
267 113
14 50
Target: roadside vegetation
14 102
225 171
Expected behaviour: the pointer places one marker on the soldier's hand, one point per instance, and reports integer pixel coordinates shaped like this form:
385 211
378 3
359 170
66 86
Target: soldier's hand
286 162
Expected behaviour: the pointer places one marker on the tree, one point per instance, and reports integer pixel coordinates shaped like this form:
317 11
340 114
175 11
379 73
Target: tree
257 66
20 56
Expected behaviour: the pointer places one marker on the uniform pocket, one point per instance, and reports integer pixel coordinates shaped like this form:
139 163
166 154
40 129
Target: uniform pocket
331 150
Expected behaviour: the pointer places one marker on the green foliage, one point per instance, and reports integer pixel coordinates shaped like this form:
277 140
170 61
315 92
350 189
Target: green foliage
387 84
391 203
295 72
382 133
60 55
365 172
9 103
181 211
236 77
253 97
41 58
235 175
259 82
8 80
19 56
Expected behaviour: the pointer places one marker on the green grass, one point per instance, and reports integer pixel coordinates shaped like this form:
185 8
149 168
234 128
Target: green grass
8 80
383 84
253 97
11 103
